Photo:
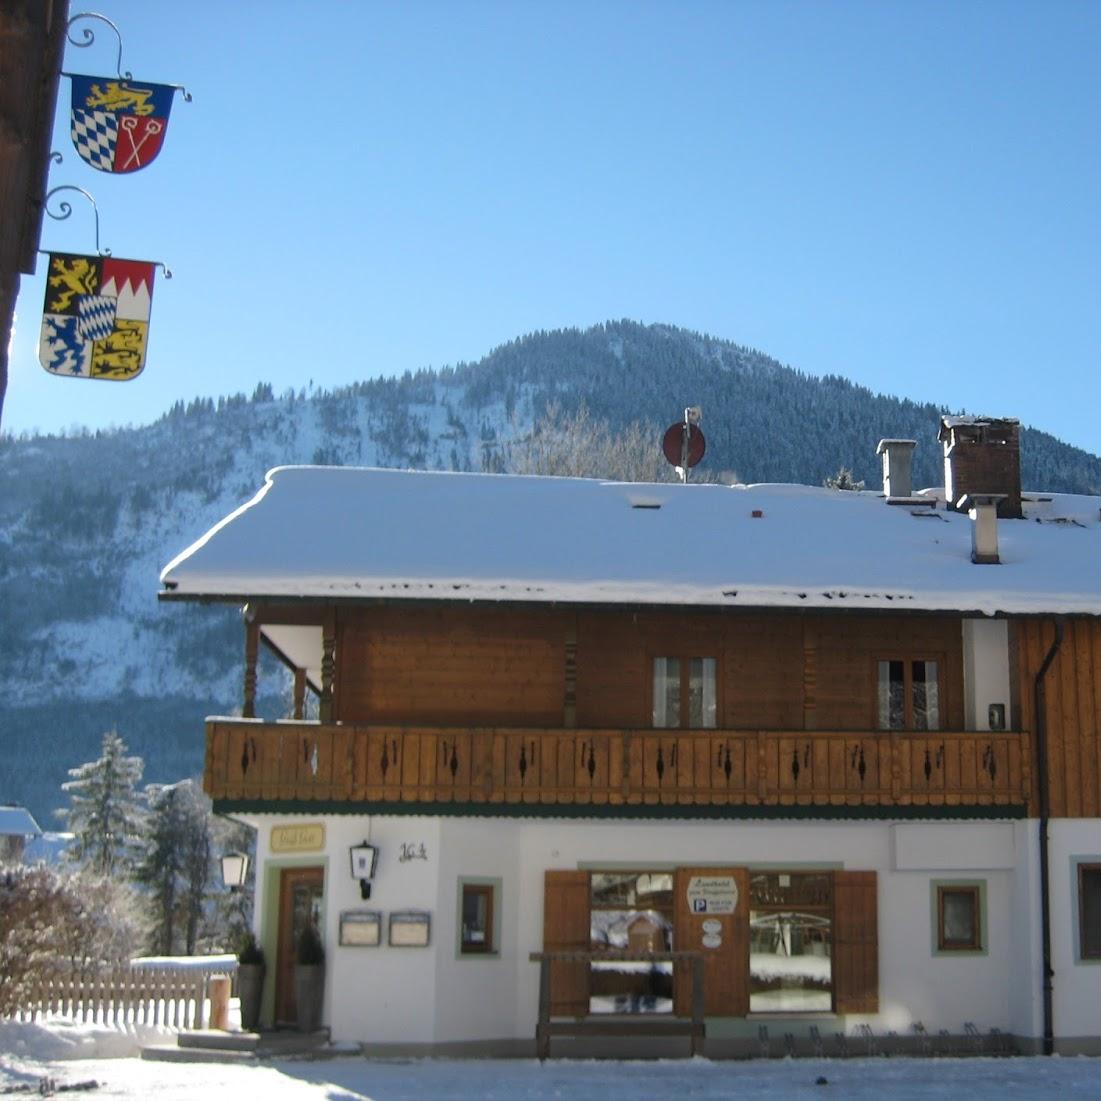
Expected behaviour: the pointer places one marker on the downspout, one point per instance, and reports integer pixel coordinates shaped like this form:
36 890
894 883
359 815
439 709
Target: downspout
1040 729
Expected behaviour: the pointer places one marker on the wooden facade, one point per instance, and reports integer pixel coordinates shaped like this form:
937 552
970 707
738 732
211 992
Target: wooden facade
1072 713
552 707
493 666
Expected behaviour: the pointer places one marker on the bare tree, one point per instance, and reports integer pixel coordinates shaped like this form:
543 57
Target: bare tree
579 446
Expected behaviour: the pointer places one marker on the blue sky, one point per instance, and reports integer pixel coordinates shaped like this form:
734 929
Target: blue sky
902 193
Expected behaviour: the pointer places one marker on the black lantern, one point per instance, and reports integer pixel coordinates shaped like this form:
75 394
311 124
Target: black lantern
364 861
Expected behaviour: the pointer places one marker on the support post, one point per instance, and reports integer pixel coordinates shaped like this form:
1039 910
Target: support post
328 666
697 1006
252 646
542 1029
299 693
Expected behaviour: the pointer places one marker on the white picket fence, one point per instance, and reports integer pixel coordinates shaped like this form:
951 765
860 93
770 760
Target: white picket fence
163 991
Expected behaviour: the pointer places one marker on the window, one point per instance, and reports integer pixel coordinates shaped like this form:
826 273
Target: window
1089 911
790 942
684 692
908 694
631 911
477 911
958 918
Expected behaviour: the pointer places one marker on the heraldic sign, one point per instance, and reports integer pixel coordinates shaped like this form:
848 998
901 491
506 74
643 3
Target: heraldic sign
119 125
96 318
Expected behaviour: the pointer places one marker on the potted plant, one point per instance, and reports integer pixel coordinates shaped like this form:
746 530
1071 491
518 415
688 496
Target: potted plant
250 981
309 978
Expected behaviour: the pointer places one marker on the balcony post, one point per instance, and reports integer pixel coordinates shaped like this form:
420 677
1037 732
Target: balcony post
252 646
328 664
299 693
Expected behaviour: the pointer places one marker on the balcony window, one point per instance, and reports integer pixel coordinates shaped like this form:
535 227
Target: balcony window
908 694
684 693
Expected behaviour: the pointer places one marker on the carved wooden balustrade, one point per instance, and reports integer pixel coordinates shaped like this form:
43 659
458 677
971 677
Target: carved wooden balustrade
253 761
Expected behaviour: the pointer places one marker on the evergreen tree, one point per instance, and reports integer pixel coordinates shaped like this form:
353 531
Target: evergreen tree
105 811
177 866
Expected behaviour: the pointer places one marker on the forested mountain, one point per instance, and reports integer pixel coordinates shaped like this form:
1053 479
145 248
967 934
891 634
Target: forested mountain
87 521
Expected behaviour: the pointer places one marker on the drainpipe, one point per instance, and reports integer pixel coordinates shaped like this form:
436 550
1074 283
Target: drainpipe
1040 728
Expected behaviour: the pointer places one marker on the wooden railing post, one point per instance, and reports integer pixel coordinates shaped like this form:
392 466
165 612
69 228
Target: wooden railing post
698 1003
542 1029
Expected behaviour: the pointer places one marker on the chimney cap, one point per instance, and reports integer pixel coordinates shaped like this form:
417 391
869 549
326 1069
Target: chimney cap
884 445
949 423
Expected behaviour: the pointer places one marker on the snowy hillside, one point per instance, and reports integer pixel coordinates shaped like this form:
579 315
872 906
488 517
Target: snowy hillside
87 521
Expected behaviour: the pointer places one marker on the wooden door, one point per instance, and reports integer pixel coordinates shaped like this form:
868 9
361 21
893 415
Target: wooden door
711 915
300 894
566 901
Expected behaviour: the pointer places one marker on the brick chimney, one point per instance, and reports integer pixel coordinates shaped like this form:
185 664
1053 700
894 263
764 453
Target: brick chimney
982 456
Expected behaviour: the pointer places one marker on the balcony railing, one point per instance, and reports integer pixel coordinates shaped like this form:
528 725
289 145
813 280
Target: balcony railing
251 760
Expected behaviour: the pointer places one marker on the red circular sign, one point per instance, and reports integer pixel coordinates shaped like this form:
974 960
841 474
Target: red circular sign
673 443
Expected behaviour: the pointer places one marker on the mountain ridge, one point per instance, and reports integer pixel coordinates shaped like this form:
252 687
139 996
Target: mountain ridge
88 520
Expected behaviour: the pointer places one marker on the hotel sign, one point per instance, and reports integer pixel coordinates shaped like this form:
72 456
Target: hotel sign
712 894
306 837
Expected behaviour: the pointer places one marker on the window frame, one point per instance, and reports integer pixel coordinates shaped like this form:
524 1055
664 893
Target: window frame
491 890
908 660
685 657
941 946
1083 865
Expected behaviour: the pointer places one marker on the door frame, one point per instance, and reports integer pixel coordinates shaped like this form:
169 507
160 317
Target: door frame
269 916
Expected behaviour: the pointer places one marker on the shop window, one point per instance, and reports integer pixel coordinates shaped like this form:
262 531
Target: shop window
684 692
1089 911
790 942
478 917
908 694
631 912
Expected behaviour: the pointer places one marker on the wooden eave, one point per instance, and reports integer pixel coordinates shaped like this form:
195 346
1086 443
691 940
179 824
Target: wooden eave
292 607
32 37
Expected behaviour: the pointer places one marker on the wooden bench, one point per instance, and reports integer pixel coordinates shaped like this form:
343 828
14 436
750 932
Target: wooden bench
647 1025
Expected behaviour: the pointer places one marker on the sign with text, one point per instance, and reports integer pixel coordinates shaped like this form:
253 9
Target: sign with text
712 894
307 837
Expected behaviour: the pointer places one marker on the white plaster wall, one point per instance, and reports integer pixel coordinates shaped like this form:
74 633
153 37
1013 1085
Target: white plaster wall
941 846
384 994
1026 1010
985 670
1077 984
476 995
394 995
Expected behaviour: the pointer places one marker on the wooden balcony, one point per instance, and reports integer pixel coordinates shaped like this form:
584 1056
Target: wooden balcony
254 762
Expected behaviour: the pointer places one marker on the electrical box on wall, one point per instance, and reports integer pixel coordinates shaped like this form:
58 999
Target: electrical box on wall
995 716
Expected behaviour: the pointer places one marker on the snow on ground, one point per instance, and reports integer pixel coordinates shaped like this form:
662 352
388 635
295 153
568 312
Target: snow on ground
357 1079
61 1051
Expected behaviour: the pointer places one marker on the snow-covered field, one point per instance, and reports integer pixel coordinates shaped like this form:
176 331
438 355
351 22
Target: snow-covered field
31 1053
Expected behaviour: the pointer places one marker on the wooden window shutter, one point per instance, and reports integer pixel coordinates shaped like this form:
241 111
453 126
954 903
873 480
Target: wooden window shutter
855 943
566 927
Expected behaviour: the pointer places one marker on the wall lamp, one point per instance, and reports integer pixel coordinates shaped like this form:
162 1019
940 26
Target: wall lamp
364 861
234 870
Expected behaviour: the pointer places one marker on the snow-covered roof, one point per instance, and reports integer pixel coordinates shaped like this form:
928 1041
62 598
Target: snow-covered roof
347 533
18 821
